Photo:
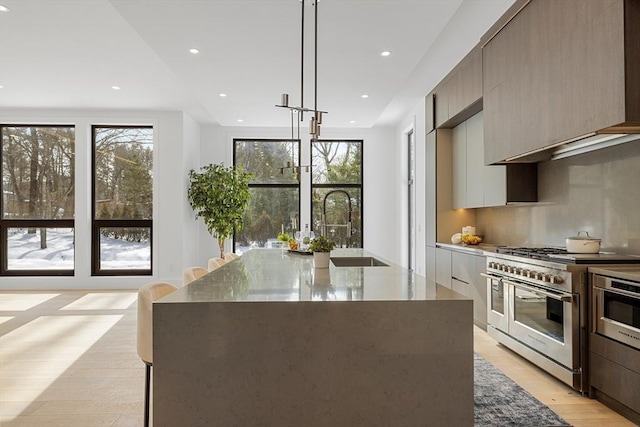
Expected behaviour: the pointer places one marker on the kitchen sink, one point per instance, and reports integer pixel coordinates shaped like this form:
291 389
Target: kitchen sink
357 261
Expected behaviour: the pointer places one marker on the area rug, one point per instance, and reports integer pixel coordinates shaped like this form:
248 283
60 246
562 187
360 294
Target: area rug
501 402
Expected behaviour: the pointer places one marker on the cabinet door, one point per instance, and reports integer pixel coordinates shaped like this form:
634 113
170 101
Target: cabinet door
472 81
475 162
459 166
468 165
504 65
431 265
461 266
455 91
430 202
494 183
442 104
466 268
478 291
430 111
460 287
443 267
542 87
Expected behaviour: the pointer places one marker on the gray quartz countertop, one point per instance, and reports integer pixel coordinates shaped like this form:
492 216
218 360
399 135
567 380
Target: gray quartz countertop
628 272
481 249
277 275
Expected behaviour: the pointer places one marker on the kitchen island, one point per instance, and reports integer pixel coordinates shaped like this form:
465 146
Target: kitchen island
269 340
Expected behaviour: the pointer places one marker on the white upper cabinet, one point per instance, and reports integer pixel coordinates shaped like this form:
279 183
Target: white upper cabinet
475 185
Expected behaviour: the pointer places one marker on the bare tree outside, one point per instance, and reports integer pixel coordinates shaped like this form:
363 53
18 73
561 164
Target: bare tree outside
38 172
337 172
123 196
275 193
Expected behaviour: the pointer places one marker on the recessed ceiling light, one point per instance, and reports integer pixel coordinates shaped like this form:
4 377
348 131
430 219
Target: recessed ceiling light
352 121
385 53
223 95
1 87
3 8
115 87
240 120
365 96
194 50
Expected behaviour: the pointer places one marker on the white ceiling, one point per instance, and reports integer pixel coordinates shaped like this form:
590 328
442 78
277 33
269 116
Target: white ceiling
69 54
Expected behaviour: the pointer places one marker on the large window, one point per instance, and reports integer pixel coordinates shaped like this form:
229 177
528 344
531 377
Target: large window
275 190
36 225
336 186
122 200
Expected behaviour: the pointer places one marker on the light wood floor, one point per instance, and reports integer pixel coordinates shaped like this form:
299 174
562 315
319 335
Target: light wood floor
69 359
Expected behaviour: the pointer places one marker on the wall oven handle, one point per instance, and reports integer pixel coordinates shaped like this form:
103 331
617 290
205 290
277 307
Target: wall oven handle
616 291
563 297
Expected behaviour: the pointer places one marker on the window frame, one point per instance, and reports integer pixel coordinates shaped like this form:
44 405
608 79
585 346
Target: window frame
97 224
6 224
342 186
271 185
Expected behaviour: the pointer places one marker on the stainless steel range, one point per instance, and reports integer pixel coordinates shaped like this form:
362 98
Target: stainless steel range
538 306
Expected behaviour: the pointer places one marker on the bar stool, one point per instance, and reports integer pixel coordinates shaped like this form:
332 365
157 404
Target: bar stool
213 263
147 294
190 274
231 256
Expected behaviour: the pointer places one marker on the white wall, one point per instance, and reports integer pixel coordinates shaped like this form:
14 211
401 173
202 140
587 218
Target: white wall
413 122
190 160
461 34
380 207
172 132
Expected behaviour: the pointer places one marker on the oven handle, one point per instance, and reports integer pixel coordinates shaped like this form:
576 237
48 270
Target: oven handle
562 297
615 291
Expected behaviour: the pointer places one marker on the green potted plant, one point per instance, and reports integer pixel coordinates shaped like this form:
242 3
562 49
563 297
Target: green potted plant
219 195
284 238
321 248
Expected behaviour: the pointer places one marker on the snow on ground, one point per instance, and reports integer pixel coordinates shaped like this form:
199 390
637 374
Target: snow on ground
24 251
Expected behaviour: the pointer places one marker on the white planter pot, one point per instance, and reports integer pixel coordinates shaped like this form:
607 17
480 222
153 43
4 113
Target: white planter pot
321 259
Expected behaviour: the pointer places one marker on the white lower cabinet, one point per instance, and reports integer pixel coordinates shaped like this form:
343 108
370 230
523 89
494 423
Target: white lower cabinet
443 267
460 272
465 273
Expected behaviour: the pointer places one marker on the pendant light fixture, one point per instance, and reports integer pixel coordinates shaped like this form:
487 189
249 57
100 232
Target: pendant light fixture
297 113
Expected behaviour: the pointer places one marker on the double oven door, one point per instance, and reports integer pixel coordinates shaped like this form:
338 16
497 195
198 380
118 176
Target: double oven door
545 320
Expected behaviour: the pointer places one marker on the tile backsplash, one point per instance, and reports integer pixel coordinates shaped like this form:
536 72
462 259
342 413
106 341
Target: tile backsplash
597 192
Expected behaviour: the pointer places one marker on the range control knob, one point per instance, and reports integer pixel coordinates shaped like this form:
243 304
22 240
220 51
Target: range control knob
526 273
557 279
538 276
546 278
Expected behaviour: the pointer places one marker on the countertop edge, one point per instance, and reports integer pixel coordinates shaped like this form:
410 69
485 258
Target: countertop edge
481 249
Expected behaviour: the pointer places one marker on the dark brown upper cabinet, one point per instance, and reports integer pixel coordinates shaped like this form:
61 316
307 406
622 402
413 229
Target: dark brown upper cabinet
459 95
560 70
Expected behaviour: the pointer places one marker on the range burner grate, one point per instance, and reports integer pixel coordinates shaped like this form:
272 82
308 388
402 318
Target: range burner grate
530 252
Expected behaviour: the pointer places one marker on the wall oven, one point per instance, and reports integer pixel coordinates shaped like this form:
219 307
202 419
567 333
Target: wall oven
616 308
